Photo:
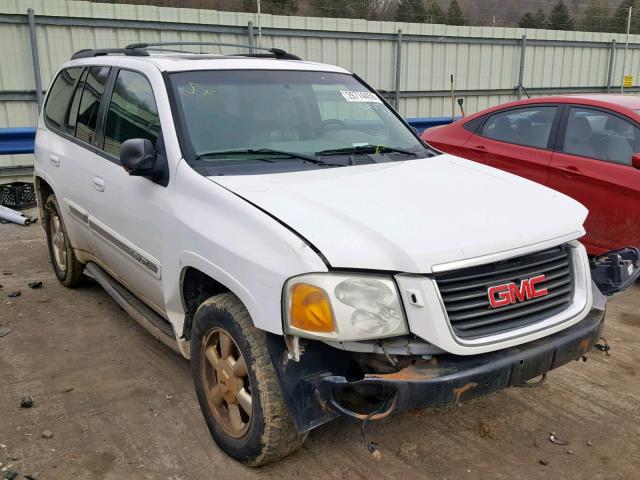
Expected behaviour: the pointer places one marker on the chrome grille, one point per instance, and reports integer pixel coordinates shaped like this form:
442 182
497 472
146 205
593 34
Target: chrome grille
466 300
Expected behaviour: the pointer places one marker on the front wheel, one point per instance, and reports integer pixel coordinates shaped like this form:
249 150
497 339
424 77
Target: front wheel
236 384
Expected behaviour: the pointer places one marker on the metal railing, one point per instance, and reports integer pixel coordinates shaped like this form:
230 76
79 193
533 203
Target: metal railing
14 141
399 39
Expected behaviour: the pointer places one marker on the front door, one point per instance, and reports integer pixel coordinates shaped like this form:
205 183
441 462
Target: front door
593 165
128 212
516 140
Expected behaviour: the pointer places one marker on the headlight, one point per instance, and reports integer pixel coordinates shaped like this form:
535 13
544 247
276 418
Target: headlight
343 307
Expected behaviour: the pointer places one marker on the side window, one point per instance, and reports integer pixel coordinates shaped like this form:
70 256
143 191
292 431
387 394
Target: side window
58 99
600 135
75 103
529 126
90 103
132 112
473 125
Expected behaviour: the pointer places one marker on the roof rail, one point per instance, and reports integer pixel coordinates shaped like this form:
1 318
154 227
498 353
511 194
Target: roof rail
96 52
276 52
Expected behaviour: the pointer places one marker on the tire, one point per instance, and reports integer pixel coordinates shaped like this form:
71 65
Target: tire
268 432
65 264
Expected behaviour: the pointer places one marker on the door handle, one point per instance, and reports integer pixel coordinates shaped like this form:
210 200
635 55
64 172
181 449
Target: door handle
570 170
98 184
54 160
479 148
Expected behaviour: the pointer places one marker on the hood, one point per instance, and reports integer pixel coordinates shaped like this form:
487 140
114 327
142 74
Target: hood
408 216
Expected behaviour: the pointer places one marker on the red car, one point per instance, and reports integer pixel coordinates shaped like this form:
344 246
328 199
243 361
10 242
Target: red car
585 146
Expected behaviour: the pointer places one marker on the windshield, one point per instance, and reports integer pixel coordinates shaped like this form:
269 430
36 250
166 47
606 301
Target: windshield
240 115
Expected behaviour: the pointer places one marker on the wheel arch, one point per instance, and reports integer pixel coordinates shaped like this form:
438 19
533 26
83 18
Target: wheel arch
43 190
199 280
196 287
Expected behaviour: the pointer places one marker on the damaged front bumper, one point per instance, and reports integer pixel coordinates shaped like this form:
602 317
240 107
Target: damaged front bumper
314 387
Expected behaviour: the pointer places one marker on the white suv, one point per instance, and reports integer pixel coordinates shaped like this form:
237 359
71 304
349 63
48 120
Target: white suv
278 223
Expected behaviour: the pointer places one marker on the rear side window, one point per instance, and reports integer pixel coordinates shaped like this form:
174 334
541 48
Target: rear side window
59 96
473 125
75 102
600 135
90 103
529 126
132 112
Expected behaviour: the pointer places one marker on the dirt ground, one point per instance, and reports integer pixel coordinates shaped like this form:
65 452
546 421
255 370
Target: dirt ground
121 406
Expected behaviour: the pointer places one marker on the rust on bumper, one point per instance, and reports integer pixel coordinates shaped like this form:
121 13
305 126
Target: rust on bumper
313 386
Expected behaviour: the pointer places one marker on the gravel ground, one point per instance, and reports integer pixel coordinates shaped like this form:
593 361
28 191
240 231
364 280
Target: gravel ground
119 405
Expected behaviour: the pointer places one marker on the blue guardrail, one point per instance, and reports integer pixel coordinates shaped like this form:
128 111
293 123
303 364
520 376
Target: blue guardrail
421 124
17 140
20 140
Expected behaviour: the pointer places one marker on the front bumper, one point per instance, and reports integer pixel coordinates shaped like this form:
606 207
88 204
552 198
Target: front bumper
311 387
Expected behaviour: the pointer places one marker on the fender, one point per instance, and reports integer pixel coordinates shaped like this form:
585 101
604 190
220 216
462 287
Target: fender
172 287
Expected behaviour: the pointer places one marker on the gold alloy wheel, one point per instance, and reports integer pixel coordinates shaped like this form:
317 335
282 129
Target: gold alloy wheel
226 382
58 242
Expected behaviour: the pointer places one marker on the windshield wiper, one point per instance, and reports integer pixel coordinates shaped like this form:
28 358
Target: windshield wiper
264 151
366 149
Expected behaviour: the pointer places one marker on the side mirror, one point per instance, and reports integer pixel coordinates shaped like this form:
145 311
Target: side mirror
635 160
138 157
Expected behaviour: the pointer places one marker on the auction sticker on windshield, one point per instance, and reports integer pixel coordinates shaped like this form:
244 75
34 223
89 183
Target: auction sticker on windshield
350 96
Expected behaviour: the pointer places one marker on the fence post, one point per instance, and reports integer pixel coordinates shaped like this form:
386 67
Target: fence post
523 50
612 54
398 69
35 57
250 35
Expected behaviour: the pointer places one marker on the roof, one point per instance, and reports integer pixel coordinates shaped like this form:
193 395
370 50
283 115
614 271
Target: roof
621 100
626 104
624 100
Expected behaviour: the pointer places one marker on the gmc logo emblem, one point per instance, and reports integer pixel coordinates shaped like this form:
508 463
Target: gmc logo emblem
508 293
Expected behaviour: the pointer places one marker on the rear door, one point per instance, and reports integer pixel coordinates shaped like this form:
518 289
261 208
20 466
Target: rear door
593 165
516 140
69 158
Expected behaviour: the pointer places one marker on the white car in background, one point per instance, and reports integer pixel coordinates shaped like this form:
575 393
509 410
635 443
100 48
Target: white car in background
276 222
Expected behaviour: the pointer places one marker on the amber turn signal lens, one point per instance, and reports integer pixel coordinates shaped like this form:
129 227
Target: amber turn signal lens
311 309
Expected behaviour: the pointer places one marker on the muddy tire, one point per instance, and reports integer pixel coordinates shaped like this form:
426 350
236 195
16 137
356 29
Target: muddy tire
236 384
65 264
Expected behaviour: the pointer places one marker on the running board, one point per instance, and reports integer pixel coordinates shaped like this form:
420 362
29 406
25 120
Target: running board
153 323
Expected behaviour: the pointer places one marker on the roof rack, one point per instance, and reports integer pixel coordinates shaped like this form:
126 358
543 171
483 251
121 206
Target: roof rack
141 50
97 52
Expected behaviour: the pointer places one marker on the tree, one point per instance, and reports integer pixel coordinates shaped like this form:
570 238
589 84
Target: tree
559 18
435 14
527 21
530 20
540 18
411 11
595 18
329 8
345 8
455 15
275 7
618 22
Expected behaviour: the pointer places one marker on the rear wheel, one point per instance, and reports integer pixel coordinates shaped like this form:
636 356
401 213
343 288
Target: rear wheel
236 384
65 264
